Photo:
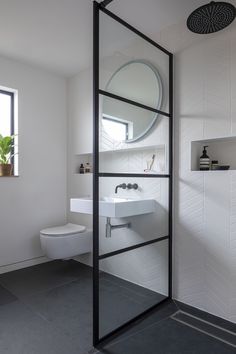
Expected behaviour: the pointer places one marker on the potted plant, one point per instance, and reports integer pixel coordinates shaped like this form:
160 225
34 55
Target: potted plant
6 153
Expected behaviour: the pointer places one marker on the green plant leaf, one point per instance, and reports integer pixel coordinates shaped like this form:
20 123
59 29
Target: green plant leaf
6 148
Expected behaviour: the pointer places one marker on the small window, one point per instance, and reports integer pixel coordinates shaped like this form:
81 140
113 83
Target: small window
8 122
117 129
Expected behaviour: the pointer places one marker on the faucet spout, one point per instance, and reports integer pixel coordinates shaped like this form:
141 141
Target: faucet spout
122 185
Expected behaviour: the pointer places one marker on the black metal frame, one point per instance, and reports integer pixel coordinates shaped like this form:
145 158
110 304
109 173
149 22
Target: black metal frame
104 3
131 248
96 175
11 94
12 118
134 103
121 174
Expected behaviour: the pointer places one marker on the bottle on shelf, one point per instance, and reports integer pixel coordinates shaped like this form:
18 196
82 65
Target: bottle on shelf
204 160
81 169
87 168
214 165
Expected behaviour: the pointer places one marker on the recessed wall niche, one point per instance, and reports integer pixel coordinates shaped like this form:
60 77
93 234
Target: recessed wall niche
221 149
136 160
130 160
82 159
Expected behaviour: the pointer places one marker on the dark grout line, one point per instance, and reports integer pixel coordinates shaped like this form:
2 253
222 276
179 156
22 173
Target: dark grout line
34 311
76 278
10 291
21 297
25 298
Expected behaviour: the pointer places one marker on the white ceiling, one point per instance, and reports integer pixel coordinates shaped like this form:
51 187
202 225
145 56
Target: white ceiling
57 34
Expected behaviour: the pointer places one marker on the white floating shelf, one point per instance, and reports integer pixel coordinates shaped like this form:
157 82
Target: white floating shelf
126 159
141 148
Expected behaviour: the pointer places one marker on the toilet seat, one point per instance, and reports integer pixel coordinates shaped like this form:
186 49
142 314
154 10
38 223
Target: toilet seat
68 229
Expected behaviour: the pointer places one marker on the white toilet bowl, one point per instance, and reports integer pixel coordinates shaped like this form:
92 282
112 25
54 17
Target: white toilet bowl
66 241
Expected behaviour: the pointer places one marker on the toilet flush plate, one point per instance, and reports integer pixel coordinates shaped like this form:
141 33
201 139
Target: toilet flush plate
114 207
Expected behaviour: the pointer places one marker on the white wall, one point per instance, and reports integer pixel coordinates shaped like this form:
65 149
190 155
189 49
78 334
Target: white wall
80 132
205 208
37 198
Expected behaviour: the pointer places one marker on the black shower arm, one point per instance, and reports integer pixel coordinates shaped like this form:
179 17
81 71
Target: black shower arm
104 3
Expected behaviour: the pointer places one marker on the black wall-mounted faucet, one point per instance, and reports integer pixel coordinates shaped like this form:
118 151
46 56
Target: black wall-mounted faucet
123 186
132 186
128 186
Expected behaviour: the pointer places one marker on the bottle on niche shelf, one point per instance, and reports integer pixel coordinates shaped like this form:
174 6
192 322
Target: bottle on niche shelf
214 165
204 160
87 168
81 169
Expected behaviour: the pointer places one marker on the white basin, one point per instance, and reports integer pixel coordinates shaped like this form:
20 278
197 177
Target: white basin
114 207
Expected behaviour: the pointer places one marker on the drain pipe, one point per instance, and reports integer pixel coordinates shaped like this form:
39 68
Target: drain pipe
110 227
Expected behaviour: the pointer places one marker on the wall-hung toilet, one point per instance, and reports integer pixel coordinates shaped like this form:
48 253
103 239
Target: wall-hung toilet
62 242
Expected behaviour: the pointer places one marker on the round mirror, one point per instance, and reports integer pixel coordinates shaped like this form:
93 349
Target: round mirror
138 81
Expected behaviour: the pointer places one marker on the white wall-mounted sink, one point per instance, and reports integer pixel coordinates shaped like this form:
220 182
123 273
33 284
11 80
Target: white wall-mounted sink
114 207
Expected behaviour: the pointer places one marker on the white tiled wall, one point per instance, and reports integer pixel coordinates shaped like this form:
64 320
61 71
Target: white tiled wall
135 161
205 202
143 228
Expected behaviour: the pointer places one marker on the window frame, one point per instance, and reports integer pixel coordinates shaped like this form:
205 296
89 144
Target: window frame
11 93
128 126
118 121
12 120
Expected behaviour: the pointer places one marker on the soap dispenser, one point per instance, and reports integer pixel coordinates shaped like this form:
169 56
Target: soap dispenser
82 168
204 160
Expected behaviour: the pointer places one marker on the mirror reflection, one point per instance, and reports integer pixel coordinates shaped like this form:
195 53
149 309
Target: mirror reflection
138 81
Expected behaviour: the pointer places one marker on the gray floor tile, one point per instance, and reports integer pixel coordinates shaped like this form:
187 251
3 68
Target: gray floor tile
137 294
119 304
69 309
6 297
128 287
42 277
23 332
155 316
168 337
54 315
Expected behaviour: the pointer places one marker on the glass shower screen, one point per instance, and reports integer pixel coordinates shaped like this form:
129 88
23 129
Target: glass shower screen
132 181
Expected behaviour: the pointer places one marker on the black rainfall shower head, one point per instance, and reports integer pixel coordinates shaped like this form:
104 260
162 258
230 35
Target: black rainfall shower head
211 17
